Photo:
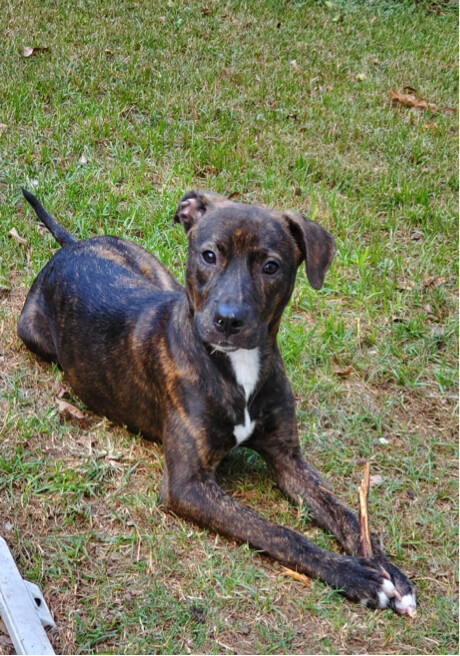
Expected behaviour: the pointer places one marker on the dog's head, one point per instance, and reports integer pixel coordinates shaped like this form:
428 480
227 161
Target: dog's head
242 263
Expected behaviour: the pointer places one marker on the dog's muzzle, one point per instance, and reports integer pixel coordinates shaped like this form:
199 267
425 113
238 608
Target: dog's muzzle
229 326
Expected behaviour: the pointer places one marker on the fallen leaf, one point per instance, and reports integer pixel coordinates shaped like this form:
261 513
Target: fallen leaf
409 100
231 18
27 51
297 576
71 412
3 127
343 373
62 392
375 479
434 281
404 284
206 10
14 233
294 65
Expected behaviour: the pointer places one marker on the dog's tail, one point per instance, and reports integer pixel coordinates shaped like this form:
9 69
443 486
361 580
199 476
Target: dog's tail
61 235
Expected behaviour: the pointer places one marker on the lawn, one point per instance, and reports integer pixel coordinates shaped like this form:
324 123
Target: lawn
120 109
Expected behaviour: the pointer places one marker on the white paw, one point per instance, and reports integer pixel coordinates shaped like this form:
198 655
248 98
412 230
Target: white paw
405 605
386 592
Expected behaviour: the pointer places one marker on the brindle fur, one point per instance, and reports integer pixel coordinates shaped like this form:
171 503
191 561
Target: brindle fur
144 351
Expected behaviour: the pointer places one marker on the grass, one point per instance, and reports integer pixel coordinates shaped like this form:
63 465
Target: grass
284 104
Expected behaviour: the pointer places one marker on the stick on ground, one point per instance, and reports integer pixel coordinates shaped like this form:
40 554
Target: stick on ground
363 498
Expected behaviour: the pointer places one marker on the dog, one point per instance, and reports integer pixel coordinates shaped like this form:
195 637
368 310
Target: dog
198 369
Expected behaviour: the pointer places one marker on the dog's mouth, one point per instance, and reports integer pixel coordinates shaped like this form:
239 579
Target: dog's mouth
247 337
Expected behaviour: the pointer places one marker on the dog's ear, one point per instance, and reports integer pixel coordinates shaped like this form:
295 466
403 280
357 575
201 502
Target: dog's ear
194 204
317 246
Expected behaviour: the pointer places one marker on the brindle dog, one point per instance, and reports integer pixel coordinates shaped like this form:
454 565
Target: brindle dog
198 369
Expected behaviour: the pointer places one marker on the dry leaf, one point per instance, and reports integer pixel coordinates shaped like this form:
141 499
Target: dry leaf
27 51
343 373
405 285
297 576
3 127
434 281
375 479
62 392
294 65
231 18
71 412
14 233
409 100
206 10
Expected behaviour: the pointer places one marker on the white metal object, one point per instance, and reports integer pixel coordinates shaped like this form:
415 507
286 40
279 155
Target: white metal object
23 608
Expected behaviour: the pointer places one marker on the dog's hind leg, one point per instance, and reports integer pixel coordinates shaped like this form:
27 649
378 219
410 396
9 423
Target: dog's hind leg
34 327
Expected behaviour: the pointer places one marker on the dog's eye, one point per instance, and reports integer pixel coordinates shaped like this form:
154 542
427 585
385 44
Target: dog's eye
209 257
270 268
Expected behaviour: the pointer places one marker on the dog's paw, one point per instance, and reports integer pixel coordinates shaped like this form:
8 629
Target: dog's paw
377 586
404 601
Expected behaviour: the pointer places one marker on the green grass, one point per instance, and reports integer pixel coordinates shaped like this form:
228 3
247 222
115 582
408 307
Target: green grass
163 97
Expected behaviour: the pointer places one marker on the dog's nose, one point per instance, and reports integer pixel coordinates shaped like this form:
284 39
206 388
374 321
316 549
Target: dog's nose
229 319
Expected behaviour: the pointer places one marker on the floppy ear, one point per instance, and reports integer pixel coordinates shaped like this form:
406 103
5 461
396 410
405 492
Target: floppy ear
194 204
316 245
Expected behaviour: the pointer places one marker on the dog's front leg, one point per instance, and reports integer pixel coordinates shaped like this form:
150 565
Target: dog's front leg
302 483
196 496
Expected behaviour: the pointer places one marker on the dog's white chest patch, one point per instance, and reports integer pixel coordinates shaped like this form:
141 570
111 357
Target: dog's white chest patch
246 365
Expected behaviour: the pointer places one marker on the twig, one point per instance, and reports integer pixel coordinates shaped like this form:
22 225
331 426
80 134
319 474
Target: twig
297 576
363 498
